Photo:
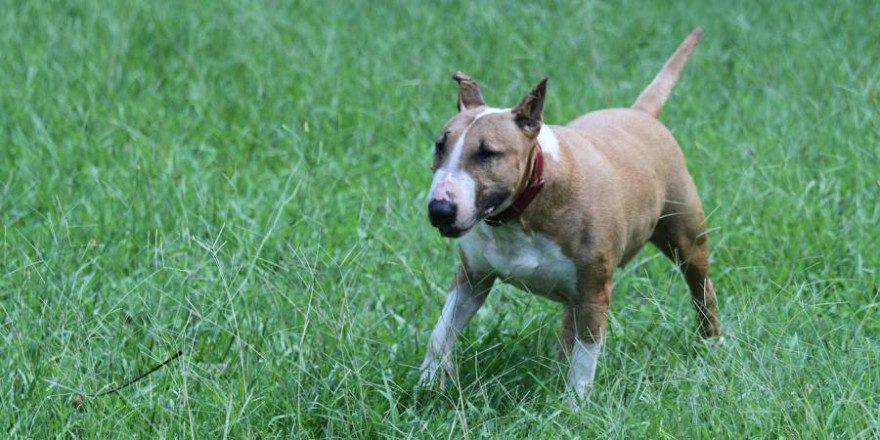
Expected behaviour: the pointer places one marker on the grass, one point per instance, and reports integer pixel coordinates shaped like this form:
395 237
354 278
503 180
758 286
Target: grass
245 180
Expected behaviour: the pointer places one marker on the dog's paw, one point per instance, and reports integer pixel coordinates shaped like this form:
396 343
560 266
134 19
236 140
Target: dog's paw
715 342
434 372
574 401
577 393
428 378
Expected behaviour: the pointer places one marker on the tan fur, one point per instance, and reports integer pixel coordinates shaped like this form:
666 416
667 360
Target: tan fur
622 183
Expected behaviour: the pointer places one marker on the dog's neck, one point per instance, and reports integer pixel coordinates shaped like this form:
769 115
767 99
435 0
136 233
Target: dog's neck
528 190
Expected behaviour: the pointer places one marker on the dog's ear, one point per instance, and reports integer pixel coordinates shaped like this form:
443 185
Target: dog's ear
469 95
529 113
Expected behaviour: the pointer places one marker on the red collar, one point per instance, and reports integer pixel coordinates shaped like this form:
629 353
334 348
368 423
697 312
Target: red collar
533 187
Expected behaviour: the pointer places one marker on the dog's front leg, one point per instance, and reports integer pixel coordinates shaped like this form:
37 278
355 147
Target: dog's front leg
467 294
588 318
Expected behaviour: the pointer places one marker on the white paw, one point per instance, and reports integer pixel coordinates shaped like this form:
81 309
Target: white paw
579 382
434 371
573 401
576 397
718 341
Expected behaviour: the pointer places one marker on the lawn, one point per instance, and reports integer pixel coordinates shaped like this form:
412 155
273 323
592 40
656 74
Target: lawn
244 182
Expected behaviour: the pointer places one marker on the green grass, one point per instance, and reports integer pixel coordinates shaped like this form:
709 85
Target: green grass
244 181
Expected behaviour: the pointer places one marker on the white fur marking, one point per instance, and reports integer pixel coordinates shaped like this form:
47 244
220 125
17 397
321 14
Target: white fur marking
489 111
531 262
549 143
583 367
455 157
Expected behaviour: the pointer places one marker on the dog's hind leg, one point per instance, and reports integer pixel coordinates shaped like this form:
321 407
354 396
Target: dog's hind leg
466 296
681 235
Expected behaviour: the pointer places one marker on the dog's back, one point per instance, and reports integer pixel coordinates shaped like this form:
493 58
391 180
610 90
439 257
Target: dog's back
646 174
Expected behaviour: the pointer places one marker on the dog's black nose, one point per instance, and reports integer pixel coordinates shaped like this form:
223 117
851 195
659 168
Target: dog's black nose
442 213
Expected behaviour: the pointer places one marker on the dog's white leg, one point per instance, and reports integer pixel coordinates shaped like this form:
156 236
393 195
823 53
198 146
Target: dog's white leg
583 368
589 317
461 305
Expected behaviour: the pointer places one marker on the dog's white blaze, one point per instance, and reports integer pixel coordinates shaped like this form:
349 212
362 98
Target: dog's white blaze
583 367
452 184
531 262
455 185
549 143
455 157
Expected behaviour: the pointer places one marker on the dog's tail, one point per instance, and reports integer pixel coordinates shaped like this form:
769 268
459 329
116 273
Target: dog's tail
654 96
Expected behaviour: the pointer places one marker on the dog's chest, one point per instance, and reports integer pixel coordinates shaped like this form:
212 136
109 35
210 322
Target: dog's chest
534 262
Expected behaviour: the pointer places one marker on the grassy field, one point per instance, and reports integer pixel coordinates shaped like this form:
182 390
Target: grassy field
244 181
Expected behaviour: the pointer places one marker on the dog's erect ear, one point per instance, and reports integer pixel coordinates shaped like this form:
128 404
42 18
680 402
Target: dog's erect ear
529 113
469 95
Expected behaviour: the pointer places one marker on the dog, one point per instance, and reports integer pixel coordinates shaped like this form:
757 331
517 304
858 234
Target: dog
555 209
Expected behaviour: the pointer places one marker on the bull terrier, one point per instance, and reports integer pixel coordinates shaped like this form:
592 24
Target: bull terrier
555 209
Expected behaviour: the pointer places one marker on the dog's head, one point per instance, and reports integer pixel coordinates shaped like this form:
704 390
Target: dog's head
481 156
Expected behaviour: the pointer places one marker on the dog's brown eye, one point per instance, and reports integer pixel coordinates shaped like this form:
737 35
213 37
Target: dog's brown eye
484 154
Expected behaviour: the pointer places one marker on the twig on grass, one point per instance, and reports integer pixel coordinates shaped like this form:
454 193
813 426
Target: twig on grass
135 380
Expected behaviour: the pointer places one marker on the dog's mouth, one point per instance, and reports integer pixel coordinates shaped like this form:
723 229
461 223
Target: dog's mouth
453 232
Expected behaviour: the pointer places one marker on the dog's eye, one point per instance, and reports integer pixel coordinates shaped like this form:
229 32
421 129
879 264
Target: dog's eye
484 154
439 146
